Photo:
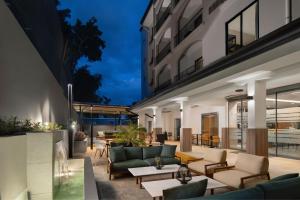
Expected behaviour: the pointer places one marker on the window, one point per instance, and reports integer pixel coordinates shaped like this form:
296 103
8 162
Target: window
242 29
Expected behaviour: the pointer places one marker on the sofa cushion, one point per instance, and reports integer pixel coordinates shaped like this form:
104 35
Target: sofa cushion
285 189
186 191
252 164
284 177
231 177
133 152
168 151
117 154
151 152
198 166
215 155
124 165
164 161
249 193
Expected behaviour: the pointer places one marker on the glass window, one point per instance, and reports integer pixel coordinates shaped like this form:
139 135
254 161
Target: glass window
242 30
249 25
295 9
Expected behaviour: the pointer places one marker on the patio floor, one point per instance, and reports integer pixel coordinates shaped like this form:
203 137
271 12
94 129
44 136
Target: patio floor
125 188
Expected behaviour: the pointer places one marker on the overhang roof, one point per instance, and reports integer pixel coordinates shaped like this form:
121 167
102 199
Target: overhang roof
102 109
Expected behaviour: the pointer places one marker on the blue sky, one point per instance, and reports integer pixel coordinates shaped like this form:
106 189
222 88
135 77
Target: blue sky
120 65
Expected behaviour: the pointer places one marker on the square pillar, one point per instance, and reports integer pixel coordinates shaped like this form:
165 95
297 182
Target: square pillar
186 139
257 134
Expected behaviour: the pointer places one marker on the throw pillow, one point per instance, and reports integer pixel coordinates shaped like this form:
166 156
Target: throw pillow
168 151
117 154
186 191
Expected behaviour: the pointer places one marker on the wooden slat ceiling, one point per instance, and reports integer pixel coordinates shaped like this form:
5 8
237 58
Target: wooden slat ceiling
101 109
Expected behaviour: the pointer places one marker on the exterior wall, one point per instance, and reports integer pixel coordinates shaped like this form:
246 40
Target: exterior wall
27 86
13 181
211 32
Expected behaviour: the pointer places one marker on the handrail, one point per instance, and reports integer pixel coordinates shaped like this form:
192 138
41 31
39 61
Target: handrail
163 53
190 70
164 85
189 27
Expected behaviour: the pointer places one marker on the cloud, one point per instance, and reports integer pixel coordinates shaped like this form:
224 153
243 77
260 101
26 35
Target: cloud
120 65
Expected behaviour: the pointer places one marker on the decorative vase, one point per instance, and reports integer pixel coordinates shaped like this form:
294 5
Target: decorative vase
158 162
183 174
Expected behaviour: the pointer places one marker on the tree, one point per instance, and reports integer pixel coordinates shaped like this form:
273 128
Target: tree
87 85
82 40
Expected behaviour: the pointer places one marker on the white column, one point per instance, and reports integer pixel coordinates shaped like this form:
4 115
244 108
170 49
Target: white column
157 117
184 114
257 106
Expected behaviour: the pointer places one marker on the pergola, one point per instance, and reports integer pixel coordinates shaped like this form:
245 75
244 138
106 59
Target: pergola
94 108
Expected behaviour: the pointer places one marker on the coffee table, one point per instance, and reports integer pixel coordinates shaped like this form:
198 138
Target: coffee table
140 172
155 188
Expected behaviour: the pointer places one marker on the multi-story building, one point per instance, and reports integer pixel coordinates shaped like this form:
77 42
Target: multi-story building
225 71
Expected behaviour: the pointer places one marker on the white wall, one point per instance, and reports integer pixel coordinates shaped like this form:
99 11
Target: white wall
27 87
13 181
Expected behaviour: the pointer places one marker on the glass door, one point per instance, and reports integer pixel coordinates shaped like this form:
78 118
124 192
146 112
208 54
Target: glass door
237 122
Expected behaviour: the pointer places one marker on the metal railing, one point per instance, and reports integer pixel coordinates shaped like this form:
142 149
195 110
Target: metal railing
163 85
162 17
163 53
188 28
190 70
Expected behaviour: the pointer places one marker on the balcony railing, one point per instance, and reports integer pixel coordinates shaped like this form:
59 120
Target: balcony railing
190 70
163 53
163 85
162 17
188 28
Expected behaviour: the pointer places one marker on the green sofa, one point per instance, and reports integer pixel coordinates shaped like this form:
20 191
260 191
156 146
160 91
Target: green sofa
122 158
283 187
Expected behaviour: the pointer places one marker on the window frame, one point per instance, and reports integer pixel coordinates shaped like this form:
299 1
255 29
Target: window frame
240 14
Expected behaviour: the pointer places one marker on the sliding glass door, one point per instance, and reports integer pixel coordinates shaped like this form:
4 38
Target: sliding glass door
283 122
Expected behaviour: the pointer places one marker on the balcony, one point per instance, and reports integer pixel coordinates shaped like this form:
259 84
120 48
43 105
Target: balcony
163 85
190 70
163 53
162 17
188 28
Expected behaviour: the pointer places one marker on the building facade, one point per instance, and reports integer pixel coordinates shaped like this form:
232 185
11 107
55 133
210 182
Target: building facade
226 70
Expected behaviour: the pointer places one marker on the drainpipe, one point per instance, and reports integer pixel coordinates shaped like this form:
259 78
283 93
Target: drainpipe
288 17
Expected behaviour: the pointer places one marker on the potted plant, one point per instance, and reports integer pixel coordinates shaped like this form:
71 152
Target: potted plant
131 135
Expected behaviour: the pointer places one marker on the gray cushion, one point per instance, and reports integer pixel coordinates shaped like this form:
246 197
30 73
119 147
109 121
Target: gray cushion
133 152
117 154
284 177
189 190
129 164
151 152
168 151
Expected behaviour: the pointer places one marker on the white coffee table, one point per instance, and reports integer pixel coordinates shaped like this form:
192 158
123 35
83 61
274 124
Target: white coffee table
140 172
155 188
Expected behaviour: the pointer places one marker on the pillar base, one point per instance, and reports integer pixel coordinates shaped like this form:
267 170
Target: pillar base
257 141
225 138
186 139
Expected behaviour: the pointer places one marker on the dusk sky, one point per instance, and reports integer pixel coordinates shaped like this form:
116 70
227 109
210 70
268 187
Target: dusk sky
120 67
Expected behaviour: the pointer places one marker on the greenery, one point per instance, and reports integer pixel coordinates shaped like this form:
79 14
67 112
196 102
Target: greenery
14 126
82 40
132 135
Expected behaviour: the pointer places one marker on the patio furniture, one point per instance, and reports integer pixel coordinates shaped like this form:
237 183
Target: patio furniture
100 147
205 139
161 138
212 158
283 187
122 158
156 188
248 170
140 172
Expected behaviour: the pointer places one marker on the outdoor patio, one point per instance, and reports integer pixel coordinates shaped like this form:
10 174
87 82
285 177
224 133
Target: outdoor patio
125 187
